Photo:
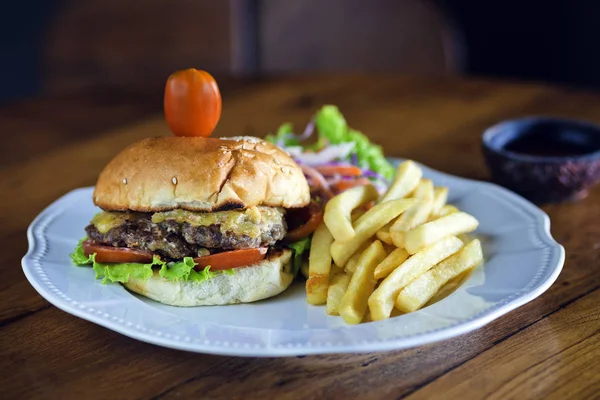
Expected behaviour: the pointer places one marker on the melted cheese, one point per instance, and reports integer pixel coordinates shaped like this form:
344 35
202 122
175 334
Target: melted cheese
106 220
247 222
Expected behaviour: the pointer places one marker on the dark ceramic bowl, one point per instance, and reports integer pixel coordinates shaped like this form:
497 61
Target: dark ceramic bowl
544 159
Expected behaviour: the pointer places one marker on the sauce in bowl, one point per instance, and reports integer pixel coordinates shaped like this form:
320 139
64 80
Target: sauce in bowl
545 137
549 148
544 159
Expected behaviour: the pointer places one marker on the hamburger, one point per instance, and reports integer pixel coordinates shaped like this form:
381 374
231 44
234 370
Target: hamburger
191 221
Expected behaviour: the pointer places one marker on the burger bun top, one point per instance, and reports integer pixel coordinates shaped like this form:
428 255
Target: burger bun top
200 174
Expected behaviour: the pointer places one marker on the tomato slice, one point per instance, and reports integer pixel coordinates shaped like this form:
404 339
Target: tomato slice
313 215
109 254
231 259
217 262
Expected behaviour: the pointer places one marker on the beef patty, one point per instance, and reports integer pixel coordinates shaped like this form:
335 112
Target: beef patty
178 233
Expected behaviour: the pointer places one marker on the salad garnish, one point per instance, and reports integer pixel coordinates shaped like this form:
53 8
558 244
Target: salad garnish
338 158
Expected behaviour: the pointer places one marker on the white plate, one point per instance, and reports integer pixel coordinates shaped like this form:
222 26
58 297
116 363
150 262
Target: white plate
522 261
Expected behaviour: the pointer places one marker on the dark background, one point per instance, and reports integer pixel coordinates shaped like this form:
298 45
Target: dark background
553 41
58 46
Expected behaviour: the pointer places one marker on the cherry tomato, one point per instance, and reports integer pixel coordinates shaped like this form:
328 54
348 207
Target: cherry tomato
192 103
109 254
231 259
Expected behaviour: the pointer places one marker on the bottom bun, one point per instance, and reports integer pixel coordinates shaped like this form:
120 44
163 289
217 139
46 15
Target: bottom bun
256 282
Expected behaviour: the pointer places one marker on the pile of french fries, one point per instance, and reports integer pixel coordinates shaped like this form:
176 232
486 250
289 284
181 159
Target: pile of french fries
399 253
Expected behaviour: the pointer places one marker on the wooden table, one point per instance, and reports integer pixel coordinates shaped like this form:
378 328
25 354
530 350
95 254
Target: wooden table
548 348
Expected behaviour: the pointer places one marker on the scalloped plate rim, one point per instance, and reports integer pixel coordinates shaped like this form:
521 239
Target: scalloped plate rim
542 230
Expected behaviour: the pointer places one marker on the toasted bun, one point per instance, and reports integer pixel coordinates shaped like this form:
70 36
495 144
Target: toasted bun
200 174
259 281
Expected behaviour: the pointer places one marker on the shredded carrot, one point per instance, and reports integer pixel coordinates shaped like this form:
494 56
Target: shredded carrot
343 170
340 186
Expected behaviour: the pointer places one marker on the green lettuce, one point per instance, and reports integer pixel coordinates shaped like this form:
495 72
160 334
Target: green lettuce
121 272
285 135
78 257
177 271
299 248
332 126
203 275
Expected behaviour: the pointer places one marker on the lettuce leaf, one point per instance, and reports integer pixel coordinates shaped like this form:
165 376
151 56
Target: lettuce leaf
178 271
77 255
284 136
121 272
206 274
332 126
299 248
228 271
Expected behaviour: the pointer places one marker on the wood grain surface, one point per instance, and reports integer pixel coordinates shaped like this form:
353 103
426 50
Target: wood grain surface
546 349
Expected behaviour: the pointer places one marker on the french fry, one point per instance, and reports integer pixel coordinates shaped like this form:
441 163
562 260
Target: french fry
335 293
390 263
384 236
384 233
354 303
319 266
416 215
448 288
417 293
370 262
406 180
425 235
338 210
446 210
366 226
425 190
382 300
350 266
440 197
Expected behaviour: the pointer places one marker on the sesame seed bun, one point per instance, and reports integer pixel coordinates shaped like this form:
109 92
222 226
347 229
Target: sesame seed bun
200 174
